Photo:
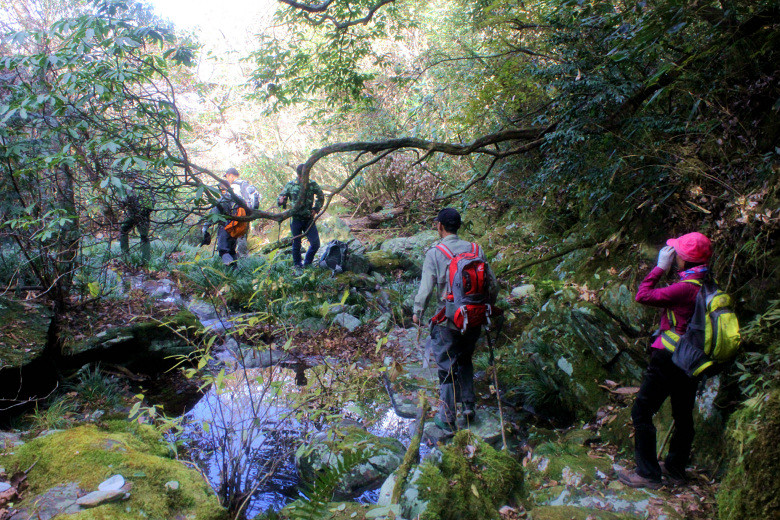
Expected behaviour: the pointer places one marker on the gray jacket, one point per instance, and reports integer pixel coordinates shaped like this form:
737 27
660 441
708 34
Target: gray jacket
434 274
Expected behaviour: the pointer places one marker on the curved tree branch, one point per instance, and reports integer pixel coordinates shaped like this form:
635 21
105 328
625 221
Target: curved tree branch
322 7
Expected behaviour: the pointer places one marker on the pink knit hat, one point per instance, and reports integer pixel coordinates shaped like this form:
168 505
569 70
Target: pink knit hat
693 247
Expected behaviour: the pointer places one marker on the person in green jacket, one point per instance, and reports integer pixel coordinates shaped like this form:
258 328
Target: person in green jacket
302 222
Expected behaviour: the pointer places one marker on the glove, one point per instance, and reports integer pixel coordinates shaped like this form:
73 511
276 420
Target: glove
206 238
666 258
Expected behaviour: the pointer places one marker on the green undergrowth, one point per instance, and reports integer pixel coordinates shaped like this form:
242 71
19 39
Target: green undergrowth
472 482
89 454
750 487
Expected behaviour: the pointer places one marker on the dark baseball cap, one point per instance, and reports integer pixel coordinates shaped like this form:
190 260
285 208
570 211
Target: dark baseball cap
449 217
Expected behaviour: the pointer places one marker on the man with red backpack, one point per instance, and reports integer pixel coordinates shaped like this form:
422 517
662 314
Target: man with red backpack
467 290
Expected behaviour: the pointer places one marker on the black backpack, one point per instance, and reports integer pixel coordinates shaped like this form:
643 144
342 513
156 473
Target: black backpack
334 257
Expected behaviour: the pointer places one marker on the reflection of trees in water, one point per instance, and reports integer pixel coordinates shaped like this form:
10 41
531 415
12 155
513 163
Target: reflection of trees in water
244 433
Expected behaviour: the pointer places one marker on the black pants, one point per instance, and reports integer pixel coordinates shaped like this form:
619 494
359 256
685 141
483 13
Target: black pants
663 379
226 246
299 227
453 351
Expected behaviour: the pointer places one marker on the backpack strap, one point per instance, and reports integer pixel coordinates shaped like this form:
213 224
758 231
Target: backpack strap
445 251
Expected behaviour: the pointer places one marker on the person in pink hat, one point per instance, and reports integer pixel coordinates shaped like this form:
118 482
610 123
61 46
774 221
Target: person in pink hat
690 254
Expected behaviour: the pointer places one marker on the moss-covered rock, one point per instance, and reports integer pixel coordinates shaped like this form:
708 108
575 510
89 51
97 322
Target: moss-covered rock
326 453
144 339
567 461
23 332
88 454
330 511
575 513
413 247
750 488
386 262
472 481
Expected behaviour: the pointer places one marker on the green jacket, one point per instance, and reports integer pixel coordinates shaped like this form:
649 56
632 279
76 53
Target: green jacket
293 190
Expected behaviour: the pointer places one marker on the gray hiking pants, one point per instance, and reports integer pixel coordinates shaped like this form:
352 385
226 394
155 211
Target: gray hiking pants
453 350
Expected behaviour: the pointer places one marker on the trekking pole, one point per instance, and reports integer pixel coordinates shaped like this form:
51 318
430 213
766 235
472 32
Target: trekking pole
666 440
492 362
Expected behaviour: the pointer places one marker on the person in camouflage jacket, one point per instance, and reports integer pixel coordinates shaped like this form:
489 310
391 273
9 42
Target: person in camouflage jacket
138 204
302 222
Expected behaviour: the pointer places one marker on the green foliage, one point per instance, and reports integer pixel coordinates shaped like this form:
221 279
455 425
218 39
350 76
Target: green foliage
88 114
472 481
749 488
759 370
319 58
95 389
52 416
320 492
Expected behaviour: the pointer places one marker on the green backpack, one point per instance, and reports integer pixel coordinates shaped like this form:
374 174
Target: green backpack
712 339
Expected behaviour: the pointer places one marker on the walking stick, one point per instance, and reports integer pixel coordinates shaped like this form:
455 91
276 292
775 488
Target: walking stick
666 440
492 362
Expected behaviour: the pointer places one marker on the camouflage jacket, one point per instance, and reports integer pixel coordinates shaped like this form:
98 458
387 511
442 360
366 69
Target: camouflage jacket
293 190
138 200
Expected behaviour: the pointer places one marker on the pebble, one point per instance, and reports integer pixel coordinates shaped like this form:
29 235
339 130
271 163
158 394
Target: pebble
114 483
4 486
172 485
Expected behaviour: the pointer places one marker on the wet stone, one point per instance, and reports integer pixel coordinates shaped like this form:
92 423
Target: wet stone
112 484
59 500
10 440
347 321
97 498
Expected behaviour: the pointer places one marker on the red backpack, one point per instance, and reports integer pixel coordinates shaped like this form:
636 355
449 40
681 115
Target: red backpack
467 302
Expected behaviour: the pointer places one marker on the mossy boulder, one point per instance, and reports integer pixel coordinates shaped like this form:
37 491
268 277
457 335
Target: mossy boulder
386 262
24 328
156 339
568 461
413 247
87 455
573 347
592 500
472 481
329 511
326 453
575 513
750 488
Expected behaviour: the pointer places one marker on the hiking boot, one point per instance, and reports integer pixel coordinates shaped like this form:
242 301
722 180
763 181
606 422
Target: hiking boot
447 427
674 477
635 480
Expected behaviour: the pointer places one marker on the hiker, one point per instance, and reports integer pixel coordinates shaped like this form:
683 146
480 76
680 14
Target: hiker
451 346
226 244
138 204
690 254
302 222
249 195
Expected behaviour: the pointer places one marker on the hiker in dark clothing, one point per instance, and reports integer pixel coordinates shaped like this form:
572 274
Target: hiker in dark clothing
691 254
302 222
138 204
226 244
452 348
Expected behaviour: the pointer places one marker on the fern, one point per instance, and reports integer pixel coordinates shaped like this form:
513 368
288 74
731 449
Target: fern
320 493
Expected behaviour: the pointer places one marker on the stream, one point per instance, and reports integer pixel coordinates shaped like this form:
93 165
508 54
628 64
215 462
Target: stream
250 423
249 429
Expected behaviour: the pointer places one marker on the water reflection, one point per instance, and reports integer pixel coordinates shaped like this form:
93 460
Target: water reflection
244 435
